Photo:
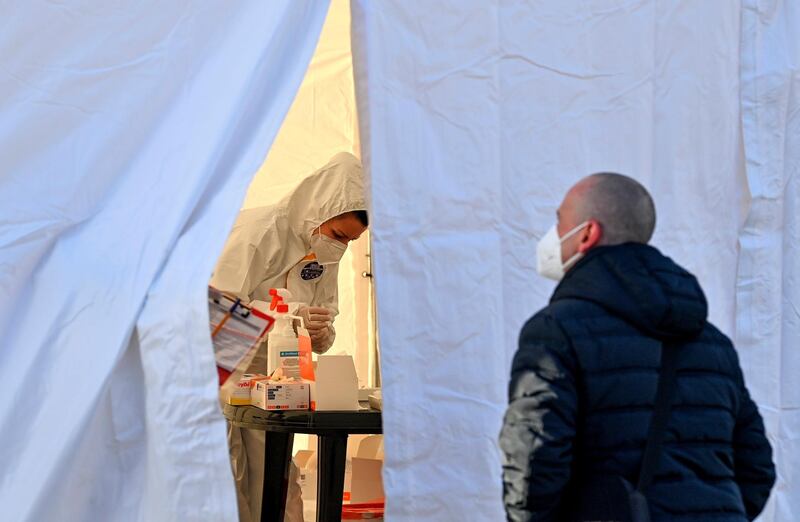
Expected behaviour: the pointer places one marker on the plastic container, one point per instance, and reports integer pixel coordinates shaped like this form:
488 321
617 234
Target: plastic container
281 338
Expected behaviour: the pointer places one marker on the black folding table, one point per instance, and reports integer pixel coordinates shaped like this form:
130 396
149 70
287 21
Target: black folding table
332 429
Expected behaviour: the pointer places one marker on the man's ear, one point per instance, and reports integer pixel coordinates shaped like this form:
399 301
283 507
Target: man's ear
591 236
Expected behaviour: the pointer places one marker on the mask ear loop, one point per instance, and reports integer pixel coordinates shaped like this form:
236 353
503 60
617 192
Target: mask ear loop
571 261
573 232
317 229
578 255
311 235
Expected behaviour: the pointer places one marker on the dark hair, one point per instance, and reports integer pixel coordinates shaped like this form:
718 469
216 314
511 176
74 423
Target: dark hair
362 216
622 206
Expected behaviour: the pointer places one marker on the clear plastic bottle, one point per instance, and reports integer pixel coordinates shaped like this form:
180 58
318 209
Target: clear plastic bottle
281 339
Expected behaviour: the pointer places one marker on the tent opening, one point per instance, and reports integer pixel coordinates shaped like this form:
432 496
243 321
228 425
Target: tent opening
322 122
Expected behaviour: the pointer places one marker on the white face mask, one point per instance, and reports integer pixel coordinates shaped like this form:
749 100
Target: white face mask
548 253
328 251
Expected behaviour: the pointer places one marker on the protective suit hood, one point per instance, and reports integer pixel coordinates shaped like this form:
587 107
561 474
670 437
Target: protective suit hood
266 242
333 190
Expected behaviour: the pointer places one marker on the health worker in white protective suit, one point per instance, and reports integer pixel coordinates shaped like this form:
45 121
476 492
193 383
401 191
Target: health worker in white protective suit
294 244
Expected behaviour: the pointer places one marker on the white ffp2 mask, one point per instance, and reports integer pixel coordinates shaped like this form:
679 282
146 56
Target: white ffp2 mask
328 251
548 253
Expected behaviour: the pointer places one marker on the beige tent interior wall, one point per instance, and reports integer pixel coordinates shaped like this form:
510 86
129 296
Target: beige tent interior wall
321 122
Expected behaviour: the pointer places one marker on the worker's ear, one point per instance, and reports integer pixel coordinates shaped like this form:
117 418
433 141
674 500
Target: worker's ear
591 236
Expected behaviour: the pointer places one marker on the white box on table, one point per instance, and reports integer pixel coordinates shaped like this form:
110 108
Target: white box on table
280 395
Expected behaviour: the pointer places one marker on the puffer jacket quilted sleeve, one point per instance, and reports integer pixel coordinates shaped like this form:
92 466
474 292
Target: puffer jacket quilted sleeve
752 454
540 423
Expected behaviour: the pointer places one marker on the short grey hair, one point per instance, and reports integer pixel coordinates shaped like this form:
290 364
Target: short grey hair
622 206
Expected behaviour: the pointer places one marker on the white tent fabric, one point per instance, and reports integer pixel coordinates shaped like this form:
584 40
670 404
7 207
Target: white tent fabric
768 286
129 133
476 118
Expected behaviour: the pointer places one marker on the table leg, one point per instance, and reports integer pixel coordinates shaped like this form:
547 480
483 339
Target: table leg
277 460
331 455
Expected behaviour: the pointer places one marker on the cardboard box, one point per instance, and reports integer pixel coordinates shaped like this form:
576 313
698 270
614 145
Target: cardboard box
306 462
367 480
280 396
366 483
336 385
241 394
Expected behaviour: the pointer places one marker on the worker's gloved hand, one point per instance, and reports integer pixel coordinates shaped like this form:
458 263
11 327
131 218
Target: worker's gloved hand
318 322
321 340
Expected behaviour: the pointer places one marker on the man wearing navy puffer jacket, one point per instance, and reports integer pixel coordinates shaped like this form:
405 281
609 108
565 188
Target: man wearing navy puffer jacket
583 380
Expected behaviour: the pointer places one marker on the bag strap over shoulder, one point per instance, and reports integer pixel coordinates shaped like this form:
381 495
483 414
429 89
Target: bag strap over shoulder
658 425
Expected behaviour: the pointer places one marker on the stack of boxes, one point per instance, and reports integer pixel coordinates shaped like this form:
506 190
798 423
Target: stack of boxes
272 395
334 388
